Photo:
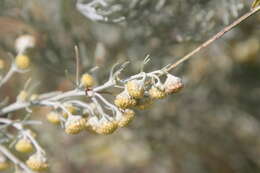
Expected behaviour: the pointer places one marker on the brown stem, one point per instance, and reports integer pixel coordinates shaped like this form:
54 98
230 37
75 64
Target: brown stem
214 38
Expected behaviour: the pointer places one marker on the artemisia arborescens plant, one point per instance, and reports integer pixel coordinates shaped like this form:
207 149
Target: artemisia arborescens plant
97 114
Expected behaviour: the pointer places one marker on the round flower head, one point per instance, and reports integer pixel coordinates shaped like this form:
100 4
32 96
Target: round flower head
75 124
144 103
106 127
4 165
123 100
125 118
135 88
22 62
53 117
102 126
87 80
173 84
24 146
37 162
156 93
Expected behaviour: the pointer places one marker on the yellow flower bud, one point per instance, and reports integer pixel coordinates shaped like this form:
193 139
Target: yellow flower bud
135 89
53 117
24 146
126 118
106 128
156 93
87 80
123 100
22 96
22 62
75 124
102 126
37 162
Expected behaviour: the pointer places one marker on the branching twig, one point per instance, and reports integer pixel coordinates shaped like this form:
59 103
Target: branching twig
111 82
8 75
14 159
19 127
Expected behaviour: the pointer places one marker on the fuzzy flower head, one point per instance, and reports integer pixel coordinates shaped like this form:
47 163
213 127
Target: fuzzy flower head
87 81
101 126
125 118
156 93
75 124
123 100
53 117
37 162
135 88
173 84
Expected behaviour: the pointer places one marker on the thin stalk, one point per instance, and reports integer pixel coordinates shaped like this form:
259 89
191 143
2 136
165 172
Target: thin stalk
214 38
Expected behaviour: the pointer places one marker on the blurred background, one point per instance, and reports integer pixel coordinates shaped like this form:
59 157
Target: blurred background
212 126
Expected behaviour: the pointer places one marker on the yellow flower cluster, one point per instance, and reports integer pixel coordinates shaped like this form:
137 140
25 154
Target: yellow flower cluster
75 124
140 95
37 162
127 118
102 126
123 100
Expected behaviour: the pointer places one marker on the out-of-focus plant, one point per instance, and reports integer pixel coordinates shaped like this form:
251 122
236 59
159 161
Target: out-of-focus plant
99 109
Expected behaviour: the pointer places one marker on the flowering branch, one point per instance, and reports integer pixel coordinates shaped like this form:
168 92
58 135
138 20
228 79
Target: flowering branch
17 106
96 113
14 159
